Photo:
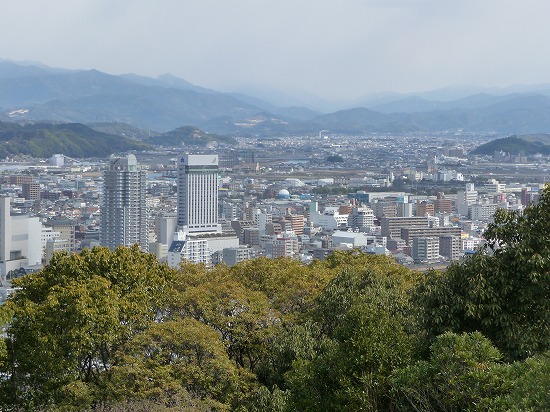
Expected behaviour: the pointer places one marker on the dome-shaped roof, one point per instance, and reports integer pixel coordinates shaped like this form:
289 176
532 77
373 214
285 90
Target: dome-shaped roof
283 194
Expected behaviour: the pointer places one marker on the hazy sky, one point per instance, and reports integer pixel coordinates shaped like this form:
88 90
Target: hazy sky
330 48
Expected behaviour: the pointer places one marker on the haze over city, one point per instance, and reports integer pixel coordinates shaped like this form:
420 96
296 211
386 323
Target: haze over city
333 50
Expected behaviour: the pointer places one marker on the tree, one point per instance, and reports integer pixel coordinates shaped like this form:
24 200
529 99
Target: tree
363 319
502 291
466 372
463 373
68 320
243 317
174 357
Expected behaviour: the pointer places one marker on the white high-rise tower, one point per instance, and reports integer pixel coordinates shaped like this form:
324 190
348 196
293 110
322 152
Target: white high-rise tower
199 233
124 210
198 193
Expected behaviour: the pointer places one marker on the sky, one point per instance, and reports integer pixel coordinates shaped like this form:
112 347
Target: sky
333 49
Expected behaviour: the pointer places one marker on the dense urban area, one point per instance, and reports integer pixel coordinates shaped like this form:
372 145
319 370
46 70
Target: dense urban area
422 198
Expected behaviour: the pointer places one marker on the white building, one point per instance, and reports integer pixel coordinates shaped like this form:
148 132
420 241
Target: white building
187 248
425 248
330 219
20 239
124 208
361 218
165 227
47 234
483 212
198 193
199 233
349 238
466 198
493 186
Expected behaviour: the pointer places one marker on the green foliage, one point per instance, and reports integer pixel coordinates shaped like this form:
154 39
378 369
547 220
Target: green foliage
530 388
72 139
175 356
330 190
362 315
110 331
502 291
188 135
515 144
463 373
69 319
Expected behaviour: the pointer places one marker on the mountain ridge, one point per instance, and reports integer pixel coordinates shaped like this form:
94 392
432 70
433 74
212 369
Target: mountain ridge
167 102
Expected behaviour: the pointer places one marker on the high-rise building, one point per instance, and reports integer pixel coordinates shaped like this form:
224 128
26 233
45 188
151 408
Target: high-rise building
124 210
199 234
198 193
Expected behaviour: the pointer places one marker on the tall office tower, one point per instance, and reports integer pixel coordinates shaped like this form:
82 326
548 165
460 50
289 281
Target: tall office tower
198 194
124 211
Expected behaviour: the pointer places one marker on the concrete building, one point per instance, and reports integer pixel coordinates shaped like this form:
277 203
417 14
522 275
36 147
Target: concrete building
424 208
55 245
484 211
330 219
294 223
425 249
404 209
384 209
20 239
184 248
493 186
443 204
391 226
361 218
283 245
466 198
251 236
66 230
199 232
124 210
31 191
409 233
450 247
198 193
234 255
352 239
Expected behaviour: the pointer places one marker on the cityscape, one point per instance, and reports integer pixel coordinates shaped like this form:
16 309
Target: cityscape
423 199
275 206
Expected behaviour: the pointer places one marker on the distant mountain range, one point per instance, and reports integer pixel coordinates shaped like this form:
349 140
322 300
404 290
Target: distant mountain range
30 92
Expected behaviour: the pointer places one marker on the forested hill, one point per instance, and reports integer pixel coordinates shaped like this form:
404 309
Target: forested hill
528 144
115 330
188 135
72 139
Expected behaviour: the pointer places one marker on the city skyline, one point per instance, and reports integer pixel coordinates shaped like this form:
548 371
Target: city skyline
343 50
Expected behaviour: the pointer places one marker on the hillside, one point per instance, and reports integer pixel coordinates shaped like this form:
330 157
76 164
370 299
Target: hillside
529 144
188 136
74 140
